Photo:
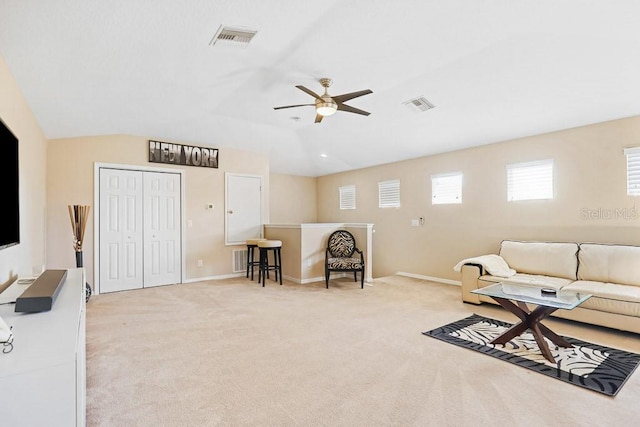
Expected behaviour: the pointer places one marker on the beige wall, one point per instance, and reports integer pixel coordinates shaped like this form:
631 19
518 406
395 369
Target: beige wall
304 245
293 199
70 180
589 174
291 238
28 257
314 244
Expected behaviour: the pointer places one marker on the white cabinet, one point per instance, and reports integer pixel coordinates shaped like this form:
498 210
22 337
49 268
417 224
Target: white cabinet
43 380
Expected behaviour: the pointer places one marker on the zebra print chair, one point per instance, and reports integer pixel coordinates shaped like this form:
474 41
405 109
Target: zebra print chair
341 255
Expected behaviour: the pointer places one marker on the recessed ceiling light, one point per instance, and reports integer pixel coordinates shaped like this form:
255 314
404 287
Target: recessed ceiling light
324 156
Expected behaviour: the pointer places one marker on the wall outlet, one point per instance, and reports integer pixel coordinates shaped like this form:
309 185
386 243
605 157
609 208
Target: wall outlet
415 223
199 263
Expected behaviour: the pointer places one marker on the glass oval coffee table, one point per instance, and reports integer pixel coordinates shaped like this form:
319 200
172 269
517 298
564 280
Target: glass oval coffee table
514 297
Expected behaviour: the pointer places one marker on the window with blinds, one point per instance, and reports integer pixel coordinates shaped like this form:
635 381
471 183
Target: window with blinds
633 171
347 197
446 188
389 194
530 181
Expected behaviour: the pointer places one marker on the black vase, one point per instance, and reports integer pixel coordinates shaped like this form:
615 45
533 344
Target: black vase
87 287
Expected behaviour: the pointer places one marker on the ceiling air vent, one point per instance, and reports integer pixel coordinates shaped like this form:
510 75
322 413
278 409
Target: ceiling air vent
419 104
230 36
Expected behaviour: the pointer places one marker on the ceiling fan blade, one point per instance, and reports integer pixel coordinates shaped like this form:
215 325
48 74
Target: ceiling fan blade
350 109
318 118
309 91
347 96
292 106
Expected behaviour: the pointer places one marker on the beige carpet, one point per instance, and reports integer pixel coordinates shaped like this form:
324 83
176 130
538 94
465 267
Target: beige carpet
231 353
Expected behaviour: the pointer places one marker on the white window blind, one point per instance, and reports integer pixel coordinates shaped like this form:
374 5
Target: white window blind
347 197
446 188
389 194
530 181
633 171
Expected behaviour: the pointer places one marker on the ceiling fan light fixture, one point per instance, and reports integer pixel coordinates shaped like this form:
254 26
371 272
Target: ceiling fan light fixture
326 107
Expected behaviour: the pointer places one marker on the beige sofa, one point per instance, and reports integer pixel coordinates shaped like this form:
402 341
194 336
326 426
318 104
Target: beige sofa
611 273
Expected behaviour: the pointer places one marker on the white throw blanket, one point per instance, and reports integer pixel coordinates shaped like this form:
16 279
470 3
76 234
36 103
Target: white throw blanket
494 264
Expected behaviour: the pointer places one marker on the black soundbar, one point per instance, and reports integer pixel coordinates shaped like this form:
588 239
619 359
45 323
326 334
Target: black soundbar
42 292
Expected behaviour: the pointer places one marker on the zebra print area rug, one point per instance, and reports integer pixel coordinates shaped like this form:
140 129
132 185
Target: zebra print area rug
587 365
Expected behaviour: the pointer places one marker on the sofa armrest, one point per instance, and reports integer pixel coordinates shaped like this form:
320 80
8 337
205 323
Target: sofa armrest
470 275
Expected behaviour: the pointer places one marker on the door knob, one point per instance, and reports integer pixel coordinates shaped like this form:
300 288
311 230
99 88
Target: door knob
229 212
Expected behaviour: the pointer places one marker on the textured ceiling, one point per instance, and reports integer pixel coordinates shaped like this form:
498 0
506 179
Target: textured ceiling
495 70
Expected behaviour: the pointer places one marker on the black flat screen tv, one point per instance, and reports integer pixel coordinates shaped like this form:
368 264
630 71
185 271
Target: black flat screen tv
9 188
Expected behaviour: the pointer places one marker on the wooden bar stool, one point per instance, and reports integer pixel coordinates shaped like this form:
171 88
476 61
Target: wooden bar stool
251 261
266 246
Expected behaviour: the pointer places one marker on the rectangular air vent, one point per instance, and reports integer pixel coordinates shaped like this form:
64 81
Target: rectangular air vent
419 104
239 260
229 36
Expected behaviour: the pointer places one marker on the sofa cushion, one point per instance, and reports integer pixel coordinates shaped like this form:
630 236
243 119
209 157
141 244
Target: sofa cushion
608 297
527 279
542 258
609 263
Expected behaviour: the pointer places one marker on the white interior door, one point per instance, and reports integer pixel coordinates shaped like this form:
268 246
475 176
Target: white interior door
243 204
121 231
162 227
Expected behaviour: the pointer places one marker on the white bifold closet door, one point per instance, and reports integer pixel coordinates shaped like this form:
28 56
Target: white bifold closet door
161 228
140 232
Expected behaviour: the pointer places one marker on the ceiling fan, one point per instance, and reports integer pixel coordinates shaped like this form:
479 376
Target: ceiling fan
326 105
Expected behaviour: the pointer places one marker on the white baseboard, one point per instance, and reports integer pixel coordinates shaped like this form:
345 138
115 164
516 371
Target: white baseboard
368 281
222 276
433 279
321 279
305 281
292 279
